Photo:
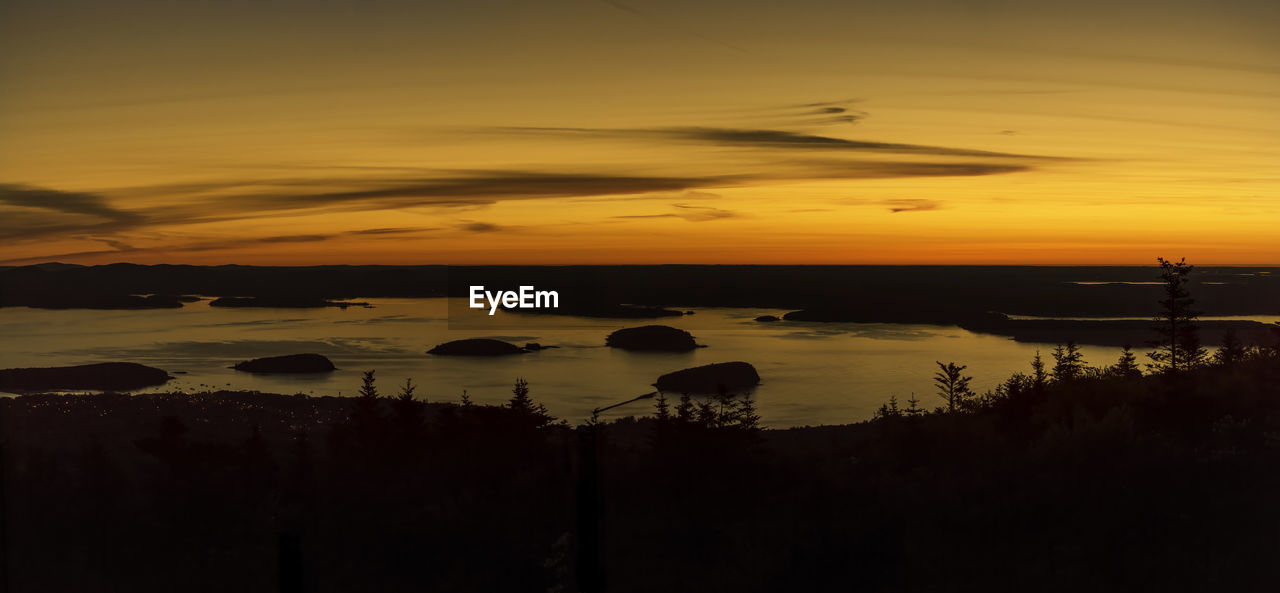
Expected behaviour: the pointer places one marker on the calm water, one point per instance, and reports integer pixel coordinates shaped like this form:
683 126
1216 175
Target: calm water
812 373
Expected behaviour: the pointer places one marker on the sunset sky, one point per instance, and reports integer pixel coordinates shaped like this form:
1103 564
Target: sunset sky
576 131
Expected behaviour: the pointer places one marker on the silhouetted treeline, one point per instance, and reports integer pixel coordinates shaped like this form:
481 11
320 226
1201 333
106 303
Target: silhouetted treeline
1067 479
196 492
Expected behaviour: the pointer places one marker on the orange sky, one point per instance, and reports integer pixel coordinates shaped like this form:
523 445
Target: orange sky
639 132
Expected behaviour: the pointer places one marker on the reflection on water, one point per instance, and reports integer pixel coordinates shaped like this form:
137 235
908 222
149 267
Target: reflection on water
812 373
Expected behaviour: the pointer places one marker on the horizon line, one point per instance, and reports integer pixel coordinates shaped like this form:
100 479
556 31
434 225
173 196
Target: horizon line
637 265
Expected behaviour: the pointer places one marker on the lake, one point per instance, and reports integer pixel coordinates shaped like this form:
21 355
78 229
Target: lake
812 373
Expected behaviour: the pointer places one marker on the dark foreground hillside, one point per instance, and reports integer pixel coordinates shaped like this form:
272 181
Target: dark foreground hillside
1103 483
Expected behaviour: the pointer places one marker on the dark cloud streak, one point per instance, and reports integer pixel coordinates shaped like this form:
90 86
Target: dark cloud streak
688 213
774 139
199 246
62 201
911 205
479 188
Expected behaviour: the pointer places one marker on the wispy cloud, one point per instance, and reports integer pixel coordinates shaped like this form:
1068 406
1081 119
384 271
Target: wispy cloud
89 216
911 205
27 211
481 227
703 213
771 139
121 248
61 201
685 195
766 156
485 187
689 213
837 169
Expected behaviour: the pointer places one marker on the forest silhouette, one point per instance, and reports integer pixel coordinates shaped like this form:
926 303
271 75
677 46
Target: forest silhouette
1070 476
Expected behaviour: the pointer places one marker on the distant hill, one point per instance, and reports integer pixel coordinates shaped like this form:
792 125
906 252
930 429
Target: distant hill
941 294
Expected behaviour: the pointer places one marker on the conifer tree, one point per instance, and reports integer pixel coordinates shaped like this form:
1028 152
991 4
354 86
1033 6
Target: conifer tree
1038 375
952 385
368 387
726 407
366 413
747 418
406 390
1014 386
520 400
409 412
663 411
707 414
367 408
1127 365
1178 345
913 406
889 409
684 410
1068 363
523 404
1231 351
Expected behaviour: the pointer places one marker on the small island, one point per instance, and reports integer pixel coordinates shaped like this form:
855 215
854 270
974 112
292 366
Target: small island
477 347
104 376
655 338
711 378
291 363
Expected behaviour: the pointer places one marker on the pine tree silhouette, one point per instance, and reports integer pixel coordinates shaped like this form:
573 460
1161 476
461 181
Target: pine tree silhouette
1038 375
706 415
913 406
1127 365
952 385
520 400
1178 346
366 412
523 405
1231 351
747 417
684 410
662 410
1068 363
409 413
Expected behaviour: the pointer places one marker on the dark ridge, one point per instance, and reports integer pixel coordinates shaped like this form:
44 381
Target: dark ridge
290 363
476 347
711 378
768 318
886 314
75 299
110 286
284 302
873 293
659 338
1130 332
605 311
121 376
